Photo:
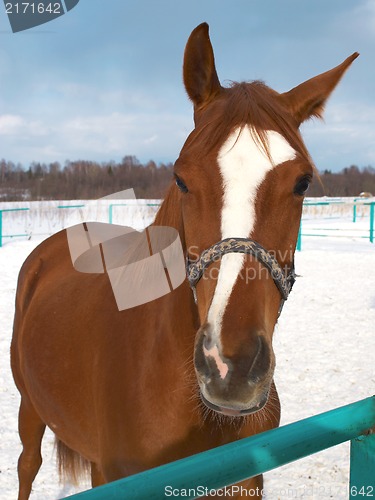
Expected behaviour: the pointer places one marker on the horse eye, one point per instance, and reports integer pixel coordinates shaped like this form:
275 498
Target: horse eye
302 185
181 185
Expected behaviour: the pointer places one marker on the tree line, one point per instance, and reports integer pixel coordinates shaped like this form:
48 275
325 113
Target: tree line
91 180
83 180
350 181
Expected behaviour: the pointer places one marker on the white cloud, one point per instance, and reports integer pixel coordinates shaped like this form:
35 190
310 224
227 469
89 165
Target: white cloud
359 22
97 137
117 134
346 136
16 125
11 124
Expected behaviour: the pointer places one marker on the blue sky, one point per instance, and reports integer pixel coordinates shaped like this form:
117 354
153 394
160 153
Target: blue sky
105 80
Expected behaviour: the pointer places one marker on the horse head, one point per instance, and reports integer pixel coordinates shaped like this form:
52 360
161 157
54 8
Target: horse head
242 175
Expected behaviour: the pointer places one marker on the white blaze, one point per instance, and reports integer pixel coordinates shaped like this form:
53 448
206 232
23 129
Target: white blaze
243 167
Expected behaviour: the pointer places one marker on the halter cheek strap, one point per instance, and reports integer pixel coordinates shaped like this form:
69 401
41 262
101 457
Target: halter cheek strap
195 269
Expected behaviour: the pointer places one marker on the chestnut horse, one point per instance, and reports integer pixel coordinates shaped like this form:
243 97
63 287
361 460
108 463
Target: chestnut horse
125 391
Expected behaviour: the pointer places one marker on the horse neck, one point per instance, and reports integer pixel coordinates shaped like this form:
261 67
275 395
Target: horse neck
179 303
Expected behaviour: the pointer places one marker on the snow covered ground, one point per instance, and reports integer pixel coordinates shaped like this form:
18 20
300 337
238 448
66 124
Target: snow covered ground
324 344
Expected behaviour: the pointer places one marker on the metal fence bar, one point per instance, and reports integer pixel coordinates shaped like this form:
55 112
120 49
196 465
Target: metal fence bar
362 467
1 222
245 458
300 235
110 210
371 233
299 239
70 206
355 208
2 236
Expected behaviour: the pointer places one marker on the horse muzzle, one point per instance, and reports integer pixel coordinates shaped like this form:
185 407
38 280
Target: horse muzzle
234 386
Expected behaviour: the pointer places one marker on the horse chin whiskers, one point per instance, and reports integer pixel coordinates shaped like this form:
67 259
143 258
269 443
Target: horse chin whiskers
218 419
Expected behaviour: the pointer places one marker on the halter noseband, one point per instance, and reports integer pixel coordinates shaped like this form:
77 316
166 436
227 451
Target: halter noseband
195 269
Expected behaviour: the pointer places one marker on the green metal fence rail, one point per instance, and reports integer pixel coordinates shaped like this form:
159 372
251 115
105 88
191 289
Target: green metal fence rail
371 231
234 462
2 236
70 206
110 210
371 204
357 202
24 235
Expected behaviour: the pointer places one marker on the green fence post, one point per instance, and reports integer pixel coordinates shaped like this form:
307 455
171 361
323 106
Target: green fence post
1 228
372 206
110 213
354 212
362 467
299 239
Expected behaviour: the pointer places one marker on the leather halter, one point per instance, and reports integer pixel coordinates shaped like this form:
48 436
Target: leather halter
195 269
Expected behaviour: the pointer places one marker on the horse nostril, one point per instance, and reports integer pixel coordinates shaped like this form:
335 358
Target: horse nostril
207 340
207 357
261 362
204 339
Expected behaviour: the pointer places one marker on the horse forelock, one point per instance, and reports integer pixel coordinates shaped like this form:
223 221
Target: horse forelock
246 104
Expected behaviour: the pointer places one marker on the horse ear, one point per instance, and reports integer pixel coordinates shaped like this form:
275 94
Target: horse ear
308 99
199 72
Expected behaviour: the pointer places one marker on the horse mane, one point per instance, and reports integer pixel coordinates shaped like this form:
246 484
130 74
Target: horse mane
251 104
